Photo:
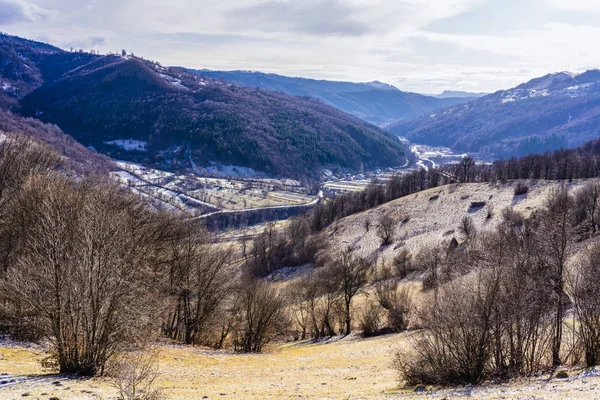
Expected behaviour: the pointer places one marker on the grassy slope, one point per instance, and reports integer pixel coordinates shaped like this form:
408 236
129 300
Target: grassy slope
432 221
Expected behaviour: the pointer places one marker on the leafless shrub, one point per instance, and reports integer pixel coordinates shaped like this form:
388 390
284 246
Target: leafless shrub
522 328
86 268
512 218
367 224
587 206
323 294
455 348
397 302
134 374
586 295
430 259
386 228
467 227
261 314
521 188
370 319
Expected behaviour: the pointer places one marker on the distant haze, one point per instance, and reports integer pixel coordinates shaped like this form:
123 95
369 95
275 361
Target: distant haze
425 46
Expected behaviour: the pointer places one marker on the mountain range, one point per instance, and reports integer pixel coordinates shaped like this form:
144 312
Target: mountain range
375 102
459 94
138 110
176 119
546 113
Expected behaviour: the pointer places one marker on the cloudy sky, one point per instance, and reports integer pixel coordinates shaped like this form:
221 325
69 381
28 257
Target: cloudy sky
418 45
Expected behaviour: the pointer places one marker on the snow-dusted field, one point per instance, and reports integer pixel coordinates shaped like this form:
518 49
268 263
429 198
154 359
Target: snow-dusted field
337 368
201 194
128 144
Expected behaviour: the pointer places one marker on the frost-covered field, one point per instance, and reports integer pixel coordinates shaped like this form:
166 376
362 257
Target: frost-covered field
339 368
208 194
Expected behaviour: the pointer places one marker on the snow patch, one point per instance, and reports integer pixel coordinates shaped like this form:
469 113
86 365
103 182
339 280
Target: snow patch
220 170
172 80
128 144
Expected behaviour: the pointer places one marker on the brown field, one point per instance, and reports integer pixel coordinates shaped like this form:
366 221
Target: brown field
343 368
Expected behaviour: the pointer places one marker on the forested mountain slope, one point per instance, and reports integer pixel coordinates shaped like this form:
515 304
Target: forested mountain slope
556 110
375 102
134 109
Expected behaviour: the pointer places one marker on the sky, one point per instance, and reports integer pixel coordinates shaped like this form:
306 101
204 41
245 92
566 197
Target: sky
424 46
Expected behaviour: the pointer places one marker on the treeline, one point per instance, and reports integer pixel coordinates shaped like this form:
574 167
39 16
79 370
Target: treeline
514 301
80 159
580 163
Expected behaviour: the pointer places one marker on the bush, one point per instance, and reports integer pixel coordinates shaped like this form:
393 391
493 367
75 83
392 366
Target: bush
455 348
521 188
386 228
370 320
87 268
403 264
261 315
133 374
397 302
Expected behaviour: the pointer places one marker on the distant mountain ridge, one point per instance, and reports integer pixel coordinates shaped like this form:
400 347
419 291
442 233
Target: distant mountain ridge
459 94
546 113
137 110
375 102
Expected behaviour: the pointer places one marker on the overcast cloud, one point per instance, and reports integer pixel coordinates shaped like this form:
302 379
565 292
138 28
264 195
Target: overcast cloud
418 45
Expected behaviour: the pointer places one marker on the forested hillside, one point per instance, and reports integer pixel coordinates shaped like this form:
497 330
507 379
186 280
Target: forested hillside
178 120
547 113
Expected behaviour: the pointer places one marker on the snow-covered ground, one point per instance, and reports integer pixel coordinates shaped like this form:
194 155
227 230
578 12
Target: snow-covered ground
128 144
231 171
206 194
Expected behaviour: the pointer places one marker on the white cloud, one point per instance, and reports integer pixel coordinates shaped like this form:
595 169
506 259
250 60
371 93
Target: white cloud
422 45
577 5
16 11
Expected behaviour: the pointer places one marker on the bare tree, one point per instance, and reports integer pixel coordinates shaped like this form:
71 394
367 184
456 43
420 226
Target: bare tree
261 310
464 169
86 269
586 295
386 228
200 281
353 274
587 203
557 248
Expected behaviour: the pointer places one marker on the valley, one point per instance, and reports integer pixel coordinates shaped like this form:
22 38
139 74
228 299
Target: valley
314 231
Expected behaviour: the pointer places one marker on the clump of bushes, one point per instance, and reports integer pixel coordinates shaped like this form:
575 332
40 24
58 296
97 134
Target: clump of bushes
521 188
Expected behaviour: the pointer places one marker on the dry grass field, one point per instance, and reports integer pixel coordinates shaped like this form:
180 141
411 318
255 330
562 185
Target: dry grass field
342 368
